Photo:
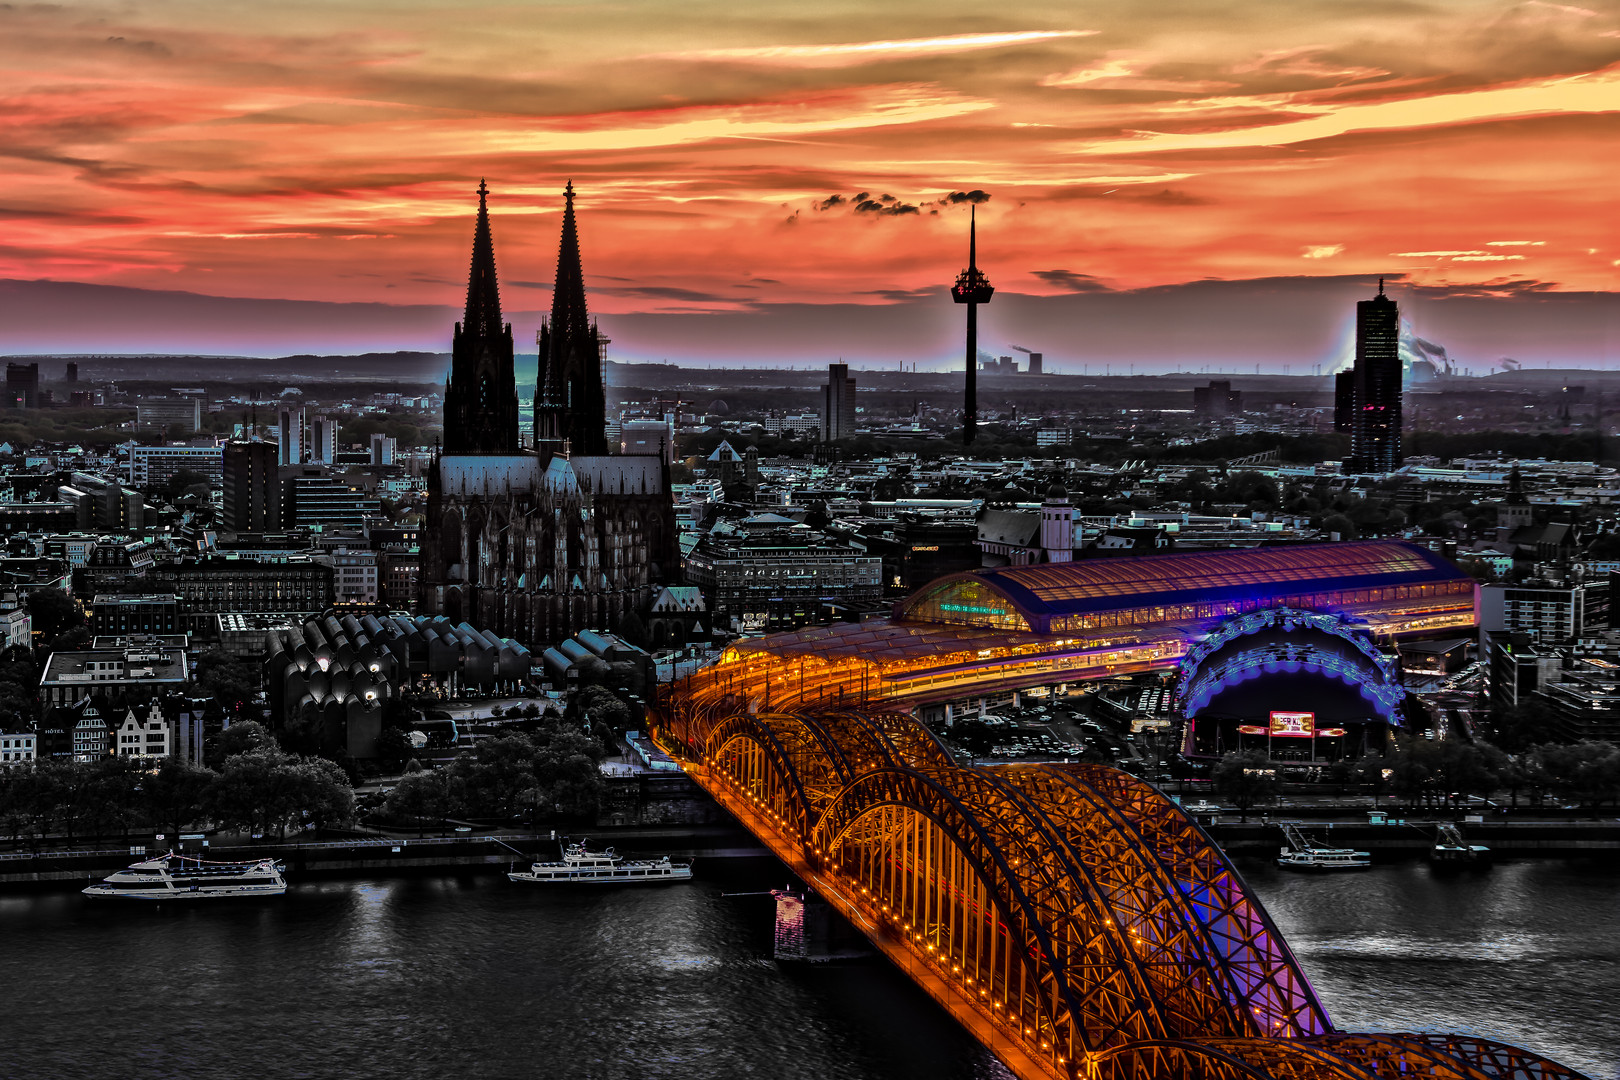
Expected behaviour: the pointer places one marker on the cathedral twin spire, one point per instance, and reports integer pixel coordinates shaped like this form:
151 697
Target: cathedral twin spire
570 407
483 291
480 400
480 403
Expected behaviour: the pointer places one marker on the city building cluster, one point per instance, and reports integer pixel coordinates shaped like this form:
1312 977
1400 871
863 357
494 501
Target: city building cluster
332 551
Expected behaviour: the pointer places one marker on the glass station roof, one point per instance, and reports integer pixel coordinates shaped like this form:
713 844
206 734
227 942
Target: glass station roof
1112 584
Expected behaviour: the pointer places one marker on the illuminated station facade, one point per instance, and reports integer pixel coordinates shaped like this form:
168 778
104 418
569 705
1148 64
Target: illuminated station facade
1278 648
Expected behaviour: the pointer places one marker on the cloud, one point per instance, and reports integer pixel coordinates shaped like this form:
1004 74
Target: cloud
886 206
1515 243
1563 9
1433 254
1119 71
1070 281
848 54
663 292
956 198
150 48
831 201
1304 61
1591 93
1487 258
1321 251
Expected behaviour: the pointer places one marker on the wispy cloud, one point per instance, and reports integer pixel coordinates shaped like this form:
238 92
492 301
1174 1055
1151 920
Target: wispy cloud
231 152
1595 93
1119 71
849 53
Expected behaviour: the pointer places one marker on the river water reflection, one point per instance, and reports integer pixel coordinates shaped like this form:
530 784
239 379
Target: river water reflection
471 976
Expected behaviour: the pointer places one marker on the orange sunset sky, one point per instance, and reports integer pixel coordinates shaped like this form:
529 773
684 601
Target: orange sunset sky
774 182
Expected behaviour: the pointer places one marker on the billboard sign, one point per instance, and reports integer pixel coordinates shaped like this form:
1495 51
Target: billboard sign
1293 723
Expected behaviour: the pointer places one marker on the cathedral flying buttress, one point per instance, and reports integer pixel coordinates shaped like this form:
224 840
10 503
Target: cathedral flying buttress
539 545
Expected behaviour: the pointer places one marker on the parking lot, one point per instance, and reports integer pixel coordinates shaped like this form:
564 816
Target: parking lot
1057 728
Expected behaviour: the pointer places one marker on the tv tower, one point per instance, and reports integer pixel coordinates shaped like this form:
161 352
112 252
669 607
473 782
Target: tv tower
972 288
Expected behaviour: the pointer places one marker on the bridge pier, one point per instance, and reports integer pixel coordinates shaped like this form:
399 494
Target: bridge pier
809 930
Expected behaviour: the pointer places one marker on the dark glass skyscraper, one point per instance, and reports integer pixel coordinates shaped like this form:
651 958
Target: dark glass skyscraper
1375 401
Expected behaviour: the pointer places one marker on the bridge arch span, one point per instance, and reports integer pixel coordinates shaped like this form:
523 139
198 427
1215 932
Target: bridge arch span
780 762
946 882
1227 1059
1215 952
1072 917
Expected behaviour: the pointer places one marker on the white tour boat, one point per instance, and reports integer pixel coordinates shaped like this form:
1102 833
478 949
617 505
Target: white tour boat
1302 854
583 867
185 877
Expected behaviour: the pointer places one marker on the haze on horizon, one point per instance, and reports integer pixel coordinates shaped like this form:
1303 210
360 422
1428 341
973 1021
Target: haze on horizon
1157 184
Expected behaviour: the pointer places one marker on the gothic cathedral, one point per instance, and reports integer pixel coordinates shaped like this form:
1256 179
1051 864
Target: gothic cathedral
539 544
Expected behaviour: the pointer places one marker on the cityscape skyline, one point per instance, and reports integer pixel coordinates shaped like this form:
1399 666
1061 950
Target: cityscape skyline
1125 167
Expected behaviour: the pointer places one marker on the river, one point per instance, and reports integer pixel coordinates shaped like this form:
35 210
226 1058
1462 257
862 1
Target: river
470 976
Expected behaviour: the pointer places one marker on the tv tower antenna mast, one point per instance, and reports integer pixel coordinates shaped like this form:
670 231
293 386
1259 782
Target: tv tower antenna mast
972 288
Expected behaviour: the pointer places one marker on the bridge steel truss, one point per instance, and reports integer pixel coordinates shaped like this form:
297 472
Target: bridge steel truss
1072 917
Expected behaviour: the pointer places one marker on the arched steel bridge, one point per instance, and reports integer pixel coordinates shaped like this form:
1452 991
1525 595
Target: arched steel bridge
1072 917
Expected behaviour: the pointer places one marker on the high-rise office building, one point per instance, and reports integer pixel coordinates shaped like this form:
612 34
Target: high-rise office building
382 448
323 433
838 404
252 487
1344 400
1217 399
163 413
290 434
22 386
1375 423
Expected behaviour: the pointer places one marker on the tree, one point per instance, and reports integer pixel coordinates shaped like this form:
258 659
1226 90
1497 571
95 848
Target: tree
249 794
1586 773
53 613
1516 728
182 482
599 707
493 778
226 679
570 779
393 748
321 792
174 796
267 790
1245 780
245 737
109 795
422 797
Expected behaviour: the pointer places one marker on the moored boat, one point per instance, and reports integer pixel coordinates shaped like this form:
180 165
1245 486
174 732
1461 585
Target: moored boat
1304 854
186 877
581 866
1450 849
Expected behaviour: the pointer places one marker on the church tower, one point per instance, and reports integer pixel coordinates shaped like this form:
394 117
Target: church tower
480 399
570 405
